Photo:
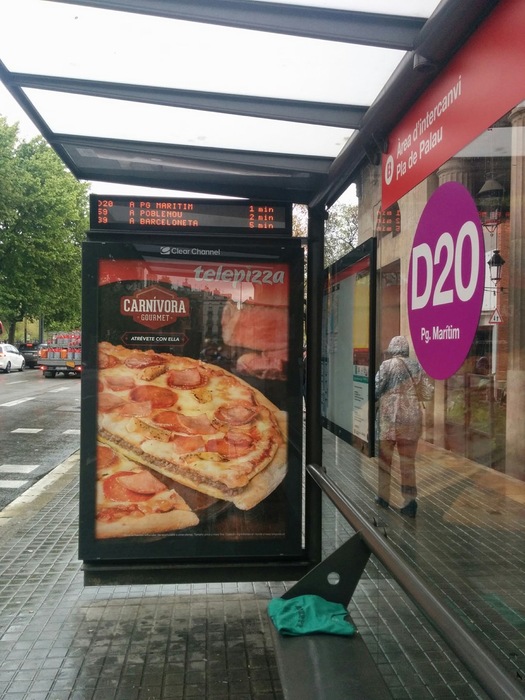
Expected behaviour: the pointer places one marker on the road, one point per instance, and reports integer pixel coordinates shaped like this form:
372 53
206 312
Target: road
39 428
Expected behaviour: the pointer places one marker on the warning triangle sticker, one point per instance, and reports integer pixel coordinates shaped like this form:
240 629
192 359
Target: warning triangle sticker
496 317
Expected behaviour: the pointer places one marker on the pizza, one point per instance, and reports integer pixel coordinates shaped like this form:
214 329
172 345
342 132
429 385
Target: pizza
130 500
193 422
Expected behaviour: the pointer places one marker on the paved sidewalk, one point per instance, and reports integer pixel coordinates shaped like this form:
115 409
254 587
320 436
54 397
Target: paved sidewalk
59 640
62 641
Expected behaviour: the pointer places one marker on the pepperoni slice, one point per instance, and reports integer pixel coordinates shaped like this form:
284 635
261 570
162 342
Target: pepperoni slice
120 383
105 361
110 515
142 361
231 445
189 425
142 482
184 444
236 414
109 402
106 457
156 395
135 408
167 419
189 378
122 487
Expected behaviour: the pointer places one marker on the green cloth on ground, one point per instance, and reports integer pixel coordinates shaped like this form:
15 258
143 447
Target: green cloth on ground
309 614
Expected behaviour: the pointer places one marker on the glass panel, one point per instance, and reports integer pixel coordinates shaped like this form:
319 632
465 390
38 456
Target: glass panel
87 43
463 466
94 116
345 355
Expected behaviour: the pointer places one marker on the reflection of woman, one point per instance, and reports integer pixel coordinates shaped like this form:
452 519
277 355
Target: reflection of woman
401 385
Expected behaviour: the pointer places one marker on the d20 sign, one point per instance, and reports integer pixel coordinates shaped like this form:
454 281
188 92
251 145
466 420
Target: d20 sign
446 279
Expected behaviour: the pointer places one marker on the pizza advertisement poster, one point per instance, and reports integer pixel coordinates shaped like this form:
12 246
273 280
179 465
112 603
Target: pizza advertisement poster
192 408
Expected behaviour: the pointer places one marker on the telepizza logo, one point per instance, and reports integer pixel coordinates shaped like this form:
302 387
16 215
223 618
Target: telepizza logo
154 307
237 275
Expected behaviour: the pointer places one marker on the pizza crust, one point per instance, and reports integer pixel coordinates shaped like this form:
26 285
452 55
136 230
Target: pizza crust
264 483
152 524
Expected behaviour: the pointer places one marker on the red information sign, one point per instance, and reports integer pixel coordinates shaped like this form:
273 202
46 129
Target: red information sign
454 110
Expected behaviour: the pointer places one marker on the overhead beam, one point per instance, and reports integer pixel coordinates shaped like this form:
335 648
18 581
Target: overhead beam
366 28
20 96
301 111
283 177
214 159
210 186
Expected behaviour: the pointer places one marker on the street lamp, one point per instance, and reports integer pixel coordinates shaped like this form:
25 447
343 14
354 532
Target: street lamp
490 204
495 264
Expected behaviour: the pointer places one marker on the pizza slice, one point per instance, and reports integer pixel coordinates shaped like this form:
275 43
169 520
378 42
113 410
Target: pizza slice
193 422
131 501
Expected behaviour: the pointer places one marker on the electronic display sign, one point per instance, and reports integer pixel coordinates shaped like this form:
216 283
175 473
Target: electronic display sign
126 214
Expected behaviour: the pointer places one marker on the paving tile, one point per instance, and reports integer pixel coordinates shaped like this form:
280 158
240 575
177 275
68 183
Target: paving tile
60 640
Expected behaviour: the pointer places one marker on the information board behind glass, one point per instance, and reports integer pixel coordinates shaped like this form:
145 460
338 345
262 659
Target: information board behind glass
347 347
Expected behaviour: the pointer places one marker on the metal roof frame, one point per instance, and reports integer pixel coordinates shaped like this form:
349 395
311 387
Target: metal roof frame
316 181
392 31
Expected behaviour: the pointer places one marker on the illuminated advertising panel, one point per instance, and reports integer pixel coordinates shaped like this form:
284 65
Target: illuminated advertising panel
192 409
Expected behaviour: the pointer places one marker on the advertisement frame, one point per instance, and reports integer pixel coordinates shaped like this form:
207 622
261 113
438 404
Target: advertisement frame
246 560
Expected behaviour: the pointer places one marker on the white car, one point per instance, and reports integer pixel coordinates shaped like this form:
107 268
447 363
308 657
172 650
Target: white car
10 358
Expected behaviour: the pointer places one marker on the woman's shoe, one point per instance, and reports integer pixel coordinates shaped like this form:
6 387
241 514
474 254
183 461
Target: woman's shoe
381 502
410 509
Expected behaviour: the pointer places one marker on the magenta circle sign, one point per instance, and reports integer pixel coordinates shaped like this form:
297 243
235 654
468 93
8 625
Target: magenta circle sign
446 279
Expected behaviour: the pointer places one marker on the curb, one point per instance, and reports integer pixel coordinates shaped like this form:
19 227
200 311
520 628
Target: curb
41 493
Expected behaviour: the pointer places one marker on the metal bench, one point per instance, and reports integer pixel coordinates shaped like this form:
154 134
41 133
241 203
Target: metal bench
318 667
325 666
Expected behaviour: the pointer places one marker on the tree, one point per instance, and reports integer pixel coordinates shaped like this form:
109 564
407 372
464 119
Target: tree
299 220
43 220
341 230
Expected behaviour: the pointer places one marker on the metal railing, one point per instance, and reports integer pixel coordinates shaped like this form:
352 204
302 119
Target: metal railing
485 669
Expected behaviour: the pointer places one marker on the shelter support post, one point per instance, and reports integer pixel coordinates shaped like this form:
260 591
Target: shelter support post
314 308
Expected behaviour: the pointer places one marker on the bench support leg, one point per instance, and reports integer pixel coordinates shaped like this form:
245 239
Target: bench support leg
336 577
